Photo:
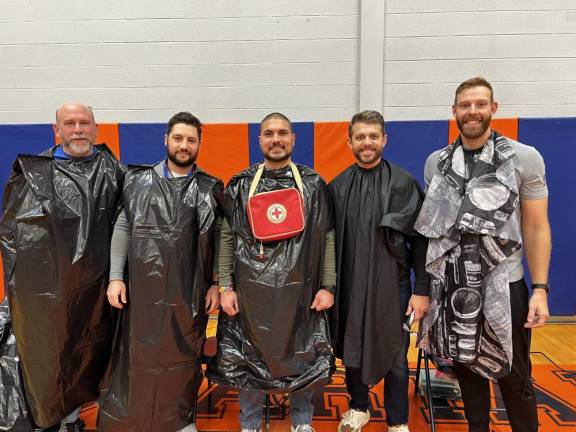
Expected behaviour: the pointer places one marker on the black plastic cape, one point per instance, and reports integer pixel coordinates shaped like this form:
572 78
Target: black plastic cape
377 249
55 238
14 415
153 378
276 343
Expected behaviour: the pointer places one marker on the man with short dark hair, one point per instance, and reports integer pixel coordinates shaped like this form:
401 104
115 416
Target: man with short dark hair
165 236
486 202
275 281
376 204
59 210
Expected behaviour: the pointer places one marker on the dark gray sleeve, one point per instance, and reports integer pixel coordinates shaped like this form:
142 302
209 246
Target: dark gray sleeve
226 254
417 247
217 229
119 247
329 264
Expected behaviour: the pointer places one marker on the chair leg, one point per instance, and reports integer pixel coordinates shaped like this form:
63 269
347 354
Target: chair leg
429 391
267 411
418 364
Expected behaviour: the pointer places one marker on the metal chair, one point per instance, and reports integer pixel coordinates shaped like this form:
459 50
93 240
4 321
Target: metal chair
423 355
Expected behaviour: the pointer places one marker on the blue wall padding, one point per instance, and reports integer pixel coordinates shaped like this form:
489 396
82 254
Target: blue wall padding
21 139
303 150
410 143
555 139
142 143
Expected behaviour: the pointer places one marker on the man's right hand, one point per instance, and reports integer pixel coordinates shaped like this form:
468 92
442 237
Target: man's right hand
229 302
116 293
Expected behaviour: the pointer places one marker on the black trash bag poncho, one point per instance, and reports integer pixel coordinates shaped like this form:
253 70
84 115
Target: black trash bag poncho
276 343
14 414
154 375
55 238
375 210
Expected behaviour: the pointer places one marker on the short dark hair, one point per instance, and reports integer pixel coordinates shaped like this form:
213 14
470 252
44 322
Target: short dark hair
276 115
369 117
474 82
186 118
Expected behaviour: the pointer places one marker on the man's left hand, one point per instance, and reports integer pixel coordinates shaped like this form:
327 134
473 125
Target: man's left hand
419 304
212 299
537 309
323 300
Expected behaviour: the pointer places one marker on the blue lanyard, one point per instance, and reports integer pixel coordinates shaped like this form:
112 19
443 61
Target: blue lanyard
60 154
168 173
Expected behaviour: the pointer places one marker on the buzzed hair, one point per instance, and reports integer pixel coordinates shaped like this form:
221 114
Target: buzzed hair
368 117
186 118
276 115
474 82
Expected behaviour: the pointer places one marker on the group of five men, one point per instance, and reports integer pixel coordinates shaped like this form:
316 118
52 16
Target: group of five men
302 272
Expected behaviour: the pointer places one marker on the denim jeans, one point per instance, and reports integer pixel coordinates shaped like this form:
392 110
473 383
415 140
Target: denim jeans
251 402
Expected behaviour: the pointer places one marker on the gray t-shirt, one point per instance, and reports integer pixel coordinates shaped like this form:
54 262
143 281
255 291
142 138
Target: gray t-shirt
531 181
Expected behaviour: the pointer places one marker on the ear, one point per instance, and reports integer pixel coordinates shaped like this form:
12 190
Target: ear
384 140
454 111
166 140
56 130
349 142
494 107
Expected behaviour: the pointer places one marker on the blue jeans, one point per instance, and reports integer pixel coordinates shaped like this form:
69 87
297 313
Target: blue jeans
251 401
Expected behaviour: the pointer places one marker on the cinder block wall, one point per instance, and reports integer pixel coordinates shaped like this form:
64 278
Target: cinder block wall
137 61
231 61
526 48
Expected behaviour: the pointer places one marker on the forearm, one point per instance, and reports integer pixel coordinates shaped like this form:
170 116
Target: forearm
537 248
119 247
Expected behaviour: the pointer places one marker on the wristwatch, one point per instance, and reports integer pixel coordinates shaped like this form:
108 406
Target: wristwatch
330 288
543 286
225 288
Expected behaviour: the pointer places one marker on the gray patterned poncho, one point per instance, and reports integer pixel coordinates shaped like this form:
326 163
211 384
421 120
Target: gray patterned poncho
469 217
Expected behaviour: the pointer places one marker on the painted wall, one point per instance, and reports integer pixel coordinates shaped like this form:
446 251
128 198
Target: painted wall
526 48
231 61
140 61
228 148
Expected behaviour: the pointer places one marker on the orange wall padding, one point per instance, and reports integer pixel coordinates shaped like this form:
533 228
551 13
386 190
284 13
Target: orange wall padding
224 150
507 127
331 152
107 133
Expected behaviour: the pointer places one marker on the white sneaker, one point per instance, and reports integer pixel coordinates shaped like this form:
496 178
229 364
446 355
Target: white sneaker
353 420
252 430
190 428
302 428
398 428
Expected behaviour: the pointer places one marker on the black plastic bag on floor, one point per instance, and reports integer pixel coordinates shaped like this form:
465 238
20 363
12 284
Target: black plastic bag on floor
14 414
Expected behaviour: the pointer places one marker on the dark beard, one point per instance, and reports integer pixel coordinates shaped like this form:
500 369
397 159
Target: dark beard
485 125
181 164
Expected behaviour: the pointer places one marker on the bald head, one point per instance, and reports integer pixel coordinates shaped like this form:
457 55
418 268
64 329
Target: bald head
76 127
75 106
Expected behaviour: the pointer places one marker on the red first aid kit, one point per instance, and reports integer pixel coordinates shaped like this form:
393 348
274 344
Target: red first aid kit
276 215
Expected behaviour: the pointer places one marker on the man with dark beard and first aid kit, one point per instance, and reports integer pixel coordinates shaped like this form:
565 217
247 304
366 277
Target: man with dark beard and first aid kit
276 266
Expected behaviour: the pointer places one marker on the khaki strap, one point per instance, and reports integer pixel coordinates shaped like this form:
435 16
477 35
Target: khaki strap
258 175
